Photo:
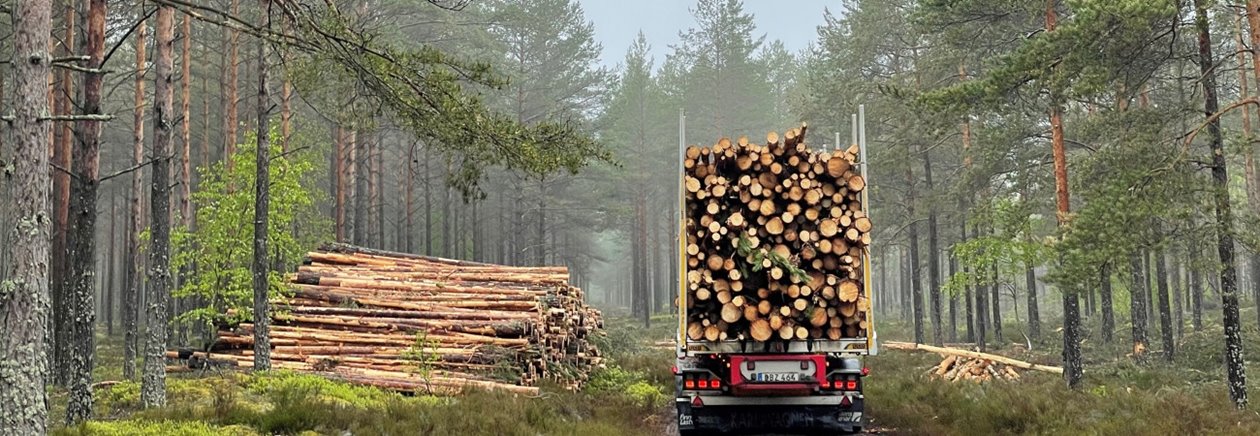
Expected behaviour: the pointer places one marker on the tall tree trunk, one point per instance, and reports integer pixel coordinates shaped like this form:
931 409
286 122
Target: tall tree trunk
906 284
232 77
982 307
1252 175
24 312
153 388
1196 293
1072 368
967 292
111 264
962 210
359 152
1108 315
447 247
996 303
339 181
540 253
1034 315
428 204
185 86
135 270
409 194
1165 316
81 317
262 202
953 298
934 261
371 146
1137 306
916 292
1178 307
62 137
1224 218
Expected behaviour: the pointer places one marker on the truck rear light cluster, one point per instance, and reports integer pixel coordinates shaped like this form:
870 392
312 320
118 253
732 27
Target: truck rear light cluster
701 381
841 383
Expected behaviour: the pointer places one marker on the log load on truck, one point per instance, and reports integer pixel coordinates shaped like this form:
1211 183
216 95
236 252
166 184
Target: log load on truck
774 304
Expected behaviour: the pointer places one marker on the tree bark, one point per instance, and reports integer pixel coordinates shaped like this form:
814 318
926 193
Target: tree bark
24 310
358 190
61 283
135 270
371 147
232 77
339 181
934 264
1252 175
1224 217
1108 314
1071 304
1034 315
1175 296
982 315
409 195
153 388
261 269
916 292
1137 305
428 204
540 250
111 264
953 299
1165 315
185 85
996 303
81 316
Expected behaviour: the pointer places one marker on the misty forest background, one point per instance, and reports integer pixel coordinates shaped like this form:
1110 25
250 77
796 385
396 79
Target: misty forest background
578 165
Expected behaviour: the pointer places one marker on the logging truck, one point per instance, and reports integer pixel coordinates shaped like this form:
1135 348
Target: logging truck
774 303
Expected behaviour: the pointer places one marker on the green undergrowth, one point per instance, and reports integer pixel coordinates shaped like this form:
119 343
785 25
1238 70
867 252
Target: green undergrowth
625 397
289 403
1120 395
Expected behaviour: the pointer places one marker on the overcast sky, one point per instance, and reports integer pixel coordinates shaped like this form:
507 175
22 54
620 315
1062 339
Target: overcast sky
617 22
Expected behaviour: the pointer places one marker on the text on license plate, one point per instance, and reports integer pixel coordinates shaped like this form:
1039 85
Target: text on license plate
776 377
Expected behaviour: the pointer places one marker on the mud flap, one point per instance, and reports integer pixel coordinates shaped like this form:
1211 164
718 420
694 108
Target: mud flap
758 419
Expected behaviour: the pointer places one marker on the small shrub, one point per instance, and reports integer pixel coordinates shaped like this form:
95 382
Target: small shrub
645 395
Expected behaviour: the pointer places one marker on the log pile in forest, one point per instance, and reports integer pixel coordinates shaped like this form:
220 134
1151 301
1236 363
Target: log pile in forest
418 323
776 237
956 368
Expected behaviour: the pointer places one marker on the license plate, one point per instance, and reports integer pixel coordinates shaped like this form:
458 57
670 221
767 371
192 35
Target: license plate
776 377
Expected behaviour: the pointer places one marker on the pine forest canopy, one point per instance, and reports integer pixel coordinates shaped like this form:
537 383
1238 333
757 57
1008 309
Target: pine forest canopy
1066 170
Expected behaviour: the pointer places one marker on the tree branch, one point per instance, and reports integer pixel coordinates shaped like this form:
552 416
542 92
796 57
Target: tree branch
127 171
92 117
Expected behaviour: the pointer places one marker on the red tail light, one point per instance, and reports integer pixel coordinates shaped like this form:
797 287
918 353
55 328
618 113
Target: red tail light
866 371
716 384
851 385
689 384
704 384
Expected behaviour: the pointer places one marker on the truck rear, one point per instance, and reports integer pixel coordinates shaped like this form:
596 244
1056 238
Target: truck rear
774 304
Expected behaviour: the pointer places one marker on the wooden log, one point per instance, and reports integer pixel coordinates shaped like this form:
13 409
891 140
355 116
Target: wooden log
973 355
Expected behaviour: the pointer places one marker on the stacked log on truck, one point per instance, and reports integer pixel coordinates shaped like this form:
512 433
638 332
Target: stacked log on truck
776 236
419 323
